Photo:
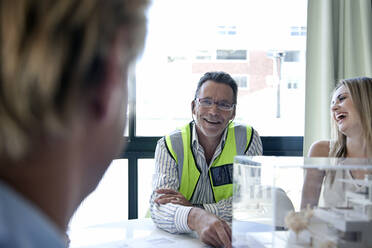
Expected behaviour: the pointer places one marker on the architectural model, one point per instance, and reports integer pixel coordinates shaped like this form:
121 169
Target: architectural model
342 227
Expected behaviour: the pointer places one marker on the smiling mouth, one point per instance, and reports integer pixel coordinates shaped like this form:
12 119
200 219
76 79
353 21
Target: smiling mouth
340 117
212 122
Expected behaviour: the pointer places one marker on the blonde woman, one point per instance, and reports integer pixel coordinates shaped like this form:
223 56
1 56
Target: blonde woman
351 115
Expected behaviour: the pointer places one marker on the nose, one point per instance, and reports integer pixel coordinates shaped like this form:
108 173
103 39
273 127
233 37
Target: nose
334 106
214 108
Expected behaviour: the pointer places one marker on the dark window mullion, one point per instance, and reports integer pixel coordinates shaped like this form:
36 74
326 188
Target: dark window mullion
132 188
132 103
132 160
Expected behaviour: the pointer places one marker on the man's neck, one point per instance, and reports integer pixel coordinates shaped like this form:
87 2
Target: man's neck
209 144
45 180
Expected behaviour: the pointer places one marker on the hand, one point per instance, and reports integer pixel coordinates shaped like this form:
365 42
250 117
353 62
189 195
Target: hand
211 229
171 196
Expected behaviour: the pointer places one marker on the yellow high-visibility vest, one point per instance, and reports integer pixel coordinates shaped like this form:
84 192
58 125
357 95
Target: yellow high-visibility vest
237 142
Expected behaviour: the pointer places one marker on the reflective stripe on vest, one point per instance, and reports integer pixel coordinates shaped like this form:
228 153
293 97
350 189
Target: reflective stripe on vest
179 146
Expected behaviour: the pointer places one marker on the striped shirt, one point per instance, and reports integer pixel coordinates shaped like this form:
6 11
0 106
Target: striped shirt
172 217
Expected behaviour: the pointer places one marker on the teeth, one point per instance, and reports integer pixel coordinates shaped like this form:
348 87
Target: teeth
340 116
213 122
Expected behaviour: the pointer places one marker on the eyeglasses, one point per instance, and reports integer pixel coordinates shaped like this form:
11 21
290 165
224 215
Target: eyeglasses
221 105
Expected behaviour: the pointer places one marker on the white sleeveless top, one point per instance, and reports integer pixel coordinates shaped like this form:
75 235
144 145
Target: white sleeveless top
334 193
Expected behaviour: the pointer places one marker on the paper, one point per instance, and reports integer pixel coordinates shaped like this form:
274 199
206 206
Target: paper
164 242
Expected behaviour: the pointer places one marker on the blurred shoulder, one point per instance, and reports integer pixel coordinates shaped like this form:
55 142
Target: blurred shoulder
319 149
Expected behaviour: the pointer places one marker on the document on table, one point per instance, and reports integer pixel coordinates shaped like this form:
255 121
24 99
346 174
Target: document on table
164 242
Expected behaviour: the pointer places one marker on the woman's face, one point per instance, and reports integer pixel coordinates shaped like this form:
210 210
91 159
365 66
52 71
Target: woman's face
344 112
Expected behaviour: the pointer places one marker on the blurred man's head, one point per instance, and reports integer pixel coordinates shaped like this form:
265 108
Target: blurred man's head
63 90
53 53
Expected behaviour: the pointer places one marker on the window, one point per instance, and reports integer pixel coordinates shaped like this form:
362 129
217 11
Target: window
298 31
249 40
107 203
242 81
226 30
145 170
232 54
292 84
203 55
292 56
178 52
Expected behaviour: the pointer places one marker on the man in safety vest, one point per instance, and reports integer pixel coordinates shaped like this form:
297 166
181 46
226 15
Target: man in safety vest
193 175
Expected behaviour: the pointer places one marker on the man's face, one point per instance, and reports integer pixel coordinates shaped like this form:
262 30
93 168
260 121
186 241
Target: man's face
212 120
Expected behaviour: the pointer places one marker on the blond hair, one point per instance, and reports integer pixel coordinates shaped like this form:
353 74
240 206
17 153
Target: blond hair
361 94
50 50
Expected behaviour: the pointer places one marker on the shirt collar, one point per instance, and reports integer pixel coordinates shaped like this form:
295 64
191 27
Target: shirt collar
195 140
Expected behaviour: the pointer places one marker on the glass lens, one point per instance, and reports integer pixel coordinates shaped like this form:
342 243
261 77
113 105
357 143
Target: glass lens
205 102
225 106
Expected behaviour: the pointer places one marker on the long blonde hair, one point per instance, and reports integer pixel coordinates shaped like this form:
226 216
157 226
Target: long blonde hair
361 94
52 52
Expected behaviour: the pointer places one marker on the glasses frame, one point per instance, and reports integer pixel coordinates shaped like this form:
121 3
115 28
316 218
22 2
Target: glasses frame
217 103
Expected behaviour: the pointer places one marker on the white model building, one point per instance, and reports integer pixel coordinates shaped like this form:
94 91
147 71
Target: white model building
342 227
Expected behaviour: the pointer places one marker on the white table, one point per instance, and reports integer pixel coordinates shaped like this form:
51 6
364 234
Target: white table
255 235
139 233
142 233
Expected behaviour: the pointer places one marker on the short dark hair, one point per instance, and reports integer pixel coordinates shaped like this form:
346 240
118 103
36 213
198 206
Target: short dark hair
218 77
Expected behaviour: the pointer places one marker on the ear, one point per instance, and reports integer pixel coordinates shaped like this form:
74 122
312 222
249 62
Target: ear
233 114
111 89
192 106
